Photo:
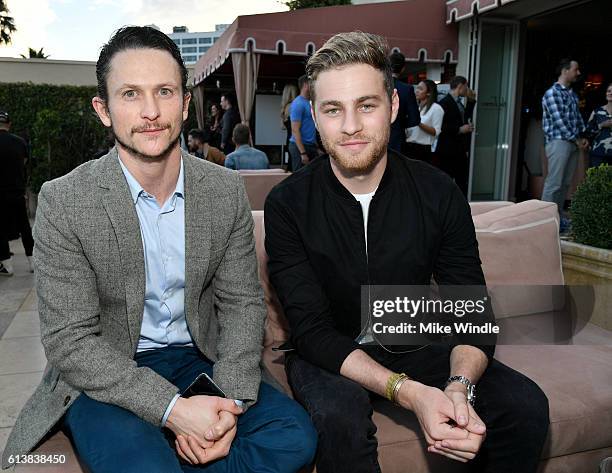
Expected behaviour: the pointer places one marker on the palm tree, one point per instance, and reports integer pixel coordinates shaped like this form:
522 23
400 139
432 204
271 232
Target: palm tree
33 54
7 24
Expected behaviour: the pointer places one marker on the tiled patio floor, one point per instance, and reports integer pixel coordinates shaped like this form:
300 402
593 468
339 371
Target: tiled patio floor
22 359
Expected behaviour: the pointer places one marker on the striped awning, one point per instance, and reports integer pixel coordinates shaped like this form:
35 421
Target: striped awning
414 27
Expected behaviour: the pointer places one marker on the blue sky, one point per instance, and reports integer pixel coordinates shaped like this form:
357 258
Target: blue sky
76 29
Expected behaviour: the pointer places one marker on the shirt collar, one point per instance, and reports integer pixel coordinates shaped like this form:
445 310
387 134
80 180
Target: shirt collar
243 146
136 189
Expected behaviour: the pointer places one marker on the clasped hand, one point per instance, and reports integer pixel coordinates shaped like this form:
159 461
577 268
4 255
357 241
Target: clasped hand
205 427
451 426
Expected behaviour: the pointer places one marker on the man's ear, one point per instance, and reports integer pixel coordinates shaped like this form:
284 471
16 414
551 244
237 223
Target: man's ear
312 113
394 105
186 100
101 109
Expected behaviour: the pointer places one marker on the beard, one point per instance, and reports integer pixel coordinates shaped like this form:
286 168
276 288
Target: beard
363 162
144 156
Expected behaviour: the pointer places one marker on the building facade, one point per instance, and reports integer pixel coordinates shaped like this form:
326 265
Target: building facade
509 50
194 44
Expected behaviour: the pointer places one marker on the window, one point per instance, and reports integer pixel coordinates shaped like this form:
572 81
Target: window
203 49
205 40
189 40
190 50
189 58
177 42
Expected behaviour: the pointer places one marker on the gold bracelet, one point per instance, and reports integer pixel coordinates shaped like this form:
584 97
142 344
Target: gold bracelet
392 382
398 385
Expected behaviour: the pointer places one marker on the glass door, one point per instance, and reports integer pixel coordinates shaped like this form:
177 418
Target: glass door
496 78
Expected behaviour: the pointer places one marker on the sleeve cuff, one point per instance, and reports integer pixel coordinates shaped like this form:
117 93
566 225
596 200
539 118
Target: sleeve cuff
169 409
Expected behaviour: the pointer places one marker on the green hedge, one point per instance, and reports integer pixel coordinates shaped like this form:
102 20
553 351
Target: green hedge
58 122
60 125
591 209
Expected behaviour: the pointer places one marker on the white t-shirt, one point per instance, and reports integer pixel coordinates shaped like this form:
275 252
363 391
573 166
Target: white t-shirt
433 118
364 200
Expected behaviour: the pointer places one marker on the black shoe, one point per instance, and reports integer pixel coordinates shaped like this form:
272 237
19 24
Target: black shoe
4 271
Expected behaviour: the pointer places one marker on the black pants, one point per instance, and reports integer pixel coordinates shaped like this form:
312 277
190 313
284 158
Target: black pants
457 166
419 151
13 221
514 409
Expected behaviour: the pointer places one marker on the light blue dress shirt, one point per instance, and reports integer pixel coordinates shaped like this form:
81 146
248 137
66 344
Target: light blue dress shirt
163 240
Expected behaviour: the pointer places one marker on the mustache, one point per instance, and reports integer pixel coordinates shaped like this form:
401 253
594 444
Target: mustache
354 138
150 126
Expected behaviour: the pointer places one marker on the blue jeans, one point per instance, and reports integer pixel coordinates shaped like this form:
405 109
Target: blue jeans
296 157
274 435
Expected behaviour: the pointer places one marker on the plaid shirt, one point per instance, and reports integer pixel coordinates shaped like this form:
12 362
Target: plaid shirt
562 119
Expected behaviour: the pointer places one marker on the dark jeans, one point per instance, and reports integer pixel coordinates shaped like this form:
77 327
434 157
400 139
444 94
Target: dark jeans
296 158
275 434
13 221
514 409
596 160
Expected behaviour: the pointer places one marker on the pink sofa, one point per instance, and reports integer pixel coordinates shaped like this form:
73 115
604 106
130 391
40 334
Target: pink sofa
519 245
258 182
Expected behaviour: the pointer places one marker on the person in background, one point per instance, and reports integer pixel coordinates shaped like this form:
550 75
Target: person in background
245 156
215 125
13 210
303 146
199 145
563 127
230 119
599 130
452 145
408 115
290 92
420 138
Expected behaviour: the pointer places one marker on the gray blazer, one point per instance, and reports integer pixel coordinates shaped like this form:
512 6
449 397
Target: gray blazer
90 280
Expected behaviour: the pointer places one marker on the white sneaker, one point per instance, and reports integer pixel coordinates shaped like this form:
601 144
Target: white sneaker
31 263
6 268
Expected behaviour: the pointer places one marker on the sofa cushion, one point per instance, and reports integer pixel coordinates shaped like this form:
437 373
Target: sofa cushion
521 257
576 380
259 183
477 208
277 327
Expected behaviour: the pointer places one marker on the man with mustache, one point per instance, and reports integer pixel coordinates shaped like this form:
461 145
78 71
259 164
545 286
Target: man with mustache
366 215
137 298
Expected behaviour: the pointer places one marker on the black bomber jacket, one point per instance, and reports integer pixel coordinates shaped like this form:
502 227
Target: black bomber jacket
419 226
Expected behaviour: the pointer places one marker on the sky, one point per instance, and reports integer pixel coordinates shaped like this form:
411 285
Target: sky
76 29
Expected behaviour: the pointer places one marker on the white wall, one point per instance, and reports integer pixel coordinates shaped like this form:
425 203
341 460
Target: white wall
52 71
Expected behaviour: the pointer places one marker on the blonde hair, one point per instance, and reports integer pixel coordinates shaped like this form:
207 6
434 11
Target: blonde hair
345 49
290 91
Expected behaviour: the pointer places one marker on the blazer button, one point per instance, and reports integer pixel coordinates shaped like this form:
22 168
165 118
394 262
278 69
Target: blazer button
66 401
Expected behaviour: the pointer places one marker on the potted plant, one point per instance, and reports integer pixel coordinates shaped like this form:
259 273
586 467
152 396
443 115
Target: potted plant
587 254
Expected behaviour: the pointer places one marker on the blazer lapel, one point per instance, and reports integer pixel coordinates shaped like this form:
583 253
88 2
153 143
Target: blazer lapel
198 234
120 208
